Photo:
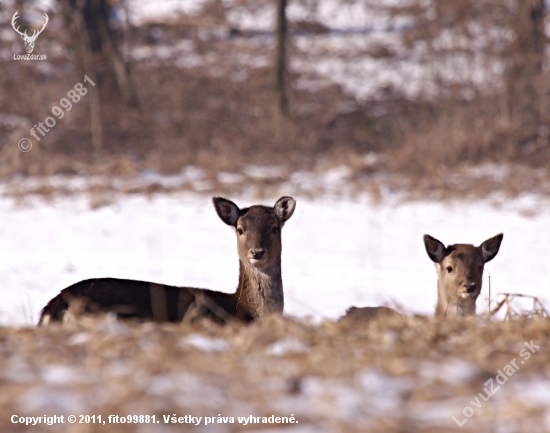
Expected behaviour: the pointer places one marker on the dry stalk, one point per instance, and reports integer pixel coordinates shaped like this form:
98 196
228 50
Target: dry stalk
514 312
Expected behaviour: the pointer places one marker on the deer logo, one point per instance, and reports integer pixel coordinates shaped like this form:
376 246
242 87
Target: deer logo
29 40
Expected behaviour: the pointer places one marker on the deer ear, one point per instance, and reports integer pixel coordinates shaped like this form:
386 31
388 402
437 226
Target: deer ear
489 248
284 208
434 248
227 210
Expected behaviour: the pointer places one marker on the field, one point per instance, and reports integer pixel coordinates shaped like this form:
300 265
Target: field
392 375
338 251
400 375
403 118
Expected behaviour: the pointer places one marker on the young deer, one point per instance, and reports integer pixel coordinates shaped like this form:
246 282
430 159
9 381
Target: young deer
460 272
259 293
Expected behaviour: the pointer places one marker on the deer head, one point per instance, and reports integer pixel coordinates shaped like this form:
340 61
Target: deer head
460 273
258 230
29 40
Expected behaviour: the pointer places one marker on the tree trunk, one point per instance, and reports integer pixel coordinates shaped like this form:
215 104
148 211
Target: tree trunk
280 103
528 49
74 21
91 18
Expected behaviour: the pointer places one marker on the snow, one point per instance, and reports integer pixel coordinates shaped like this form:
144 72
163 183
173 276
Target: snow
355 27
144 11
453 371
205 344
58 375
337 252
288 345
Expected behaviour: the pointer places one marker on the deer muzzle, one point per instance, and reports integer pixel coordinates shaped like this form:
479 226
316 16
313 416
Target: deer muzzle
256 254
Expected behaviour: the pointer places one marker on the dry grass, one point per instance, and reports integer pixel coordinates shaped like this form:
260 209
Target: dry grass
347 177
196 116
397 374
513 311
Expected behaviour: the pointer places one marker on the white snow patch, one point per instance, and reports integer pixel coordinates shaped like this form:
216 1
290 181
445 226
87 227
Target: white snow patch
535 391
79 338
65 375
147 11
338 175
453 371
206 344
288 345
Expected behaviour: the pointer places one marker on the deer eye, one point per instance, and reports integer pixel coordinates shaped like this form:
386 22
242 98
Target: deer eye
449 269
275 230
240 231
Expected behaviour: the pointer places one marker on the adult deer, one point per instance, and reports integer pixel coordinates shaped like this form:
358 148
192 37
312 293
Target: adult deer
459 273
259 292
29 40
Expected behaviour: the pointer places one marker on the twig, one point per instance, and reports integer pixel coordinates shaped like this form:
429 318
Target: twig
538 308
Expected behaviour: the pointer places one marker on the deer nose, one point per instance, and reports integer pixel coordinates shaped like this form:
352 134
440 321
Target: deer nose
470 287
258 253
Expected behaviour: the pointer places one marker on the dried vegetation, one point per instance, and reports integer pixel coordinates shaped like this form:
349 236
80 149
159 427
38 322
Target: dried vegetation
484 100
394 374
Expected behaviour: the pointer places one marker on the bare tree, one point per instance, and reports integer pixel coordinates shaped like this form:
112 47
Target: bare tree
74 22
89 19
97 54
525 73
280 103
483 61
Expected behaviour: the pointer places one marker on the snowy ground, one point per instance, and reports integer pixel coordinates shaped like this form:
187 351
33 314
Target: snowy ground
336 252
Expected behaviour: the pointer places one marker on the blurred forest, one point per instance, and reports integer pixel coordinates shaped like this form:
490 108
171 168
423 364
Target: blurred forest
235 82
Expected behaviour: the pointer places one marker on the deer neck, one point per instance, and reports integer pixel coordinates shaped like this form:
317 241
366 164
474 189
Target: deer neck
260 293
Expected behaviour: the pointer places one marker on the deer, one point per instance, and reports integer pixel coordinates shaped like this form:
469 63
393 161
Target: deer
460 275
29 40
259 292
459 270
